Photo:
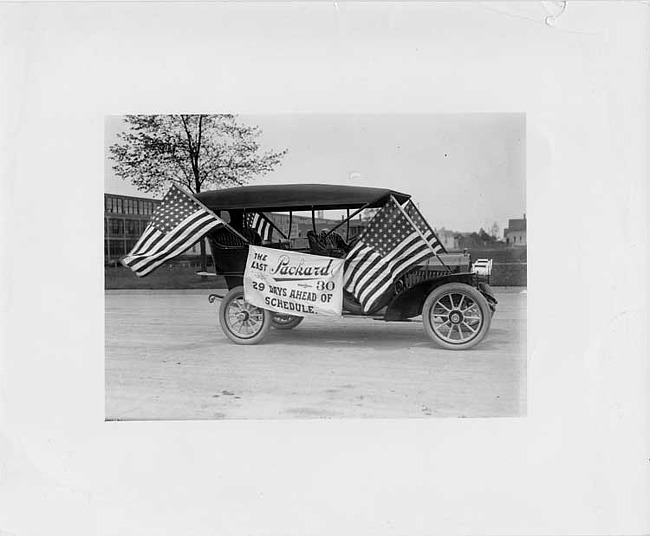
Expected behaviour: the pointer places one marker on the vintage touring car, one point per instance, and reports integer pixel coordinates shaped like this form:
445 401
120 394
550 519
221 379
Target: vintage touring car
452 296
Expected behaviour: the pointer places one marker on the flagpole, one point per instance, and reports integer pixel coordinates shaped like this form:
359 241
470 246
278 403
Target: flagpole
420 233
268 220
444 250
226 225
347 219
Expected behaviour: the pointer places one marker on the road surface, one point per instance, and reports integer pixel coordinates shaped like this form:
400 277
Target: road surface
167 358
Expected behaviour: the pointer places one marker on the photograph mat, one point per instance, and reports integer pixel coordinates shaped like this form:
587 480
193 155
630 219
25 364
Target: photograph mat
576 465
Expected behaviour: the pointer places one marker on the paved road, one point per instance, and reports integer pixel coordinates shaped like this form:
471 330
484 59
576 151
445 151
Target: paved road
167 358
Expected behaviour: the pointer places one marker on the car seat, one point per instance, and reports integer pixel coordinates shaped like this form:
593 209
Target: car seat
330 245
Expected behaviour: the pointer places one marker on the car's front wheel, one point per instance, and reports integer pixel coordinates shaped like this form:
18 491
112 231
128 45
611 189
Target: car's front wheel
242 322
456 316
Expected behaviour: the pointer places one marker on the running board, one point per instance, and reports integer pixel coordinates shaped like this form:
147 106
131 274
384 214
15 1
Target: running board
379 318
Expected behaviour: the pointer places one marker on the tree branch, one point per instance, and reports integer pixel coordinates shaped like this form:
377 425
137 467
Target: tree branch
194 151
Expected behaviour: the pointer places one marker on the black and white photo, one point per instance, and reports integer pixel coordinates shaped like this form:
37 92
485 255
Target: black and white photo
370 243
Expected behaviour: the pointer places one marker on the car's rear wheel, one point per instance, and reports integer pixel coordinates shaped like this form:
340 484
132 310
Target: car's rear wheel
242 322
282 321
456 316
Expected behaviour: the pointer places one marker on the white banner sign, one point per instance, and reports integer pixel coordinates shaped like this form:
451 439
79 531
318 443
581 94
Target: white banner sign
293 283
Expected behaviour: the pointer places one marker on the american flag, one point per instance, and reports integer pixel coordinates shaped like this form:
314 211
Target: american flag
421 223
261 224
176 225
389 247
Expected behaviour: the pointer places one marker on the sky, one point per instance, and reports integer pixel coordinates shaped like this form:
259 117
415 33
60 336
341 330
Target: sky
466 171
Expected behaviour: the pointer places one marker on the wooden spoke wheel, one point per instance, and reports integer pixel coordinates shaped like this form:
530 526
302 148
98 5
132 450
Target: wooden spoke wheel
456 316
242 322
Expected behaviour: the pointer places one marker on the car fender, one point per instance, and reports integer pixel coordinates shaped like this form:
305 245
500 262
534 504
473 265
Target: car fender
488 294
409 303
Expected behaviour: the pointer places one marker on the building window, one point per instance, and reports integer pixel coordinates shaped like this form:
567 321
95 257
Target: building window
117 226
132 228
117 248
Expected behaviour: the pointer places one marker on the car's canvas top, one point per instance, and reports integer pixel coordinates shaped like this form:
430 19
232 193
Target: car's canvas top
297 197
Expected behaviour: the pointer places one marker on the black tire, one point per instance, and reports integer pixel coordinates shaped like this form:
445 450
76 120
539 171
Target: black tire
242 322
456 316
282 321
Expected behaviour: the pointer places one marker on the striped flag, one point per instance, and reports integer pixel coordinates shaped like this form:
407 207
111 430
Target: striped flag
177 224
261 224
425 228
388 247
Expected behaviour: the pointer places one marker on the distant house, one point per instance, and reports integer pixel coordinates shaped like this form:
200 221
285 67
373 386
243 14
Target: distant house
515 233
448 238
